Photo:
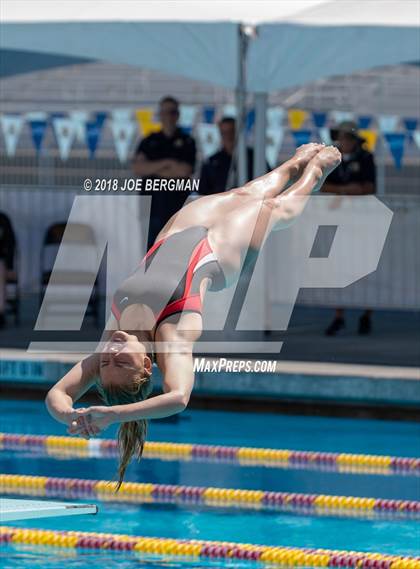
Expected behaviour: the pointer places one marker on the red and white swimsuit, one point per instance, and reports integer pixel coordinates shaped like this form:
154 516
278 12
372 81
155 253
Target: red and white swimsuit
169 276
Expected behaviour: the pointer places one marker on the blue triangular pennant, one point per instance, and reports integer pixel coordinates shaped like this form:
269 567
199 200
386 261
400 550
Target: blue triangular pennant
57 115
319 119
301 136
395 142
187 129
38 128
363 121
208 114
100 118
93 132
250 120
410 123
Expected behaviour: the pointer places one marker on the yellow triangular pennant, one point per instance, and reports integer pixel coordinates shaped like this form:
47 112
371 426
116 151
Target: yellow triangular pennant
371 137
145 121
296 118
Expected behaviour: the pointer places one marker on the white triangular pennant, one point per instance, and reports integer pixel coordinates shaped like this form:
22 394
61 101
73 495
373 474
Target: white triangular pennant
209 137
36 116
65 133
275 117
229 111
274 141
416 137
80 119
122 114
122 132
325 135
387 123
187 115
11 126
341 116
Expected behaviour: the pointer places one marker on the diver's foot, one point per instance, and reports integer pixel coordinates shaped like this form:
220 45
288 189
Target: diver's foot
308 151
336 326
326 160
304 155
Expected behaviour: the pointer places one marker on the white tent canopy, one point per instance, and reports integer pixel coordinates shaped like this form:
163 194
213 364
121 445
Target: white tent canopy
194 39
309 12
295 42
20 11
292 42
334 38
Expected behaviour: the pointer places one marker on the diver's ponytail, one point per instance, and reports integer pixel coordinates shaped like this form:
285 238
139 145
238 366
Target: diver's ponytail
131 439
131 435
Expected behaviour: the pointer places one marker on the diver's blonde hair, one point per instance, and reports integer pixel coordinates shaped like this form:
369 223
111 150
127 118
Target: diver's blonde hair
132 435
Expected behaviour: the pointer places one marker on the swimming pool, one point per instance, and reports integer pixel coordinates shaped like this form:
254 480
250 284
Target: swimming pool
198 521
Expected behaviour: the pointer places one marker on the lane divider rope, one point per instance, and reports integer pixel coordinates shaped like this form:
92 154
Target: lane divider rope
282 556
277 458
135 492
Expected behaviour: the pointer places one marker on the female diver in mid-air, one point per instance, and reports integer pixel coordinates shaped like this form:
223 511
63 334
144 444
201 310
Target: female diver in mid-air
202 247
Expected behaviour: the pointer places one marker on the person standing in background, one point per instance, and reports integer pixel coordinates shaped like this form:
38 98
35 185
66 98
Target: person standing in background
355 176
7 254
218 173
169 153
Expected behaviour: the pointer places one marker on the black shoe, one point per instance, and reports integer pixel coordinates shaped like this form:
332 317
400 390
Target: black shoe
336 325
2 320
365 325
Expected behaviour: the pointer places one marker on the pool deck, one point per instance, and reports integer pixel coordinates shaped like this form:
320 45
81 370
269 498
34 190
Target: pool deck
382 369
395 339
282 367
332 383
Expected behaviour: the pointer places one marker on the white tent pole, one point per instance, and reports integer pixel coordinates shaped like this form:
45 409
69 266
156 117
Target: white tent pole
260 129
260 168
241 153
381 147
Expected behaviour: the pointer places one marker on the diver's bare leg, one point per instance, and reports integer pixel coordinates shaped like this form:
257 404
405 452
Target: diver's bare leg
291 202
208 210
272 184
250 225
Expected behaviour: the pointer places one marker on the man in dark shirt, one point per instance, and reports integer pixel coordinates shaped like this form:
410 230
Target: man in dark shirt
169 153
7 254
216 175
355 176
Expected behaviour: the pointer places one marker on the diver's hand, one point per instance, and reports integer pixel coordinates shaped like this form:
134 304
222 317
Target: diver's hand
78 426
75 424
92 420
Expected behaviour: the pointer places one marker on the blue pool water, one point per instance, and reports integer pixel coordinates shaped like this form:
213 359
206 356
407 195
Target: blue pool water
211 427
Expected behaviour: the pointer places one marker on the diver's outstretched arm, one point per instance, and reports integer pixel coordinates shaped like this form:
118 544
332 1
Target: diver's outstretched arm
61 397
97 418
178 383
